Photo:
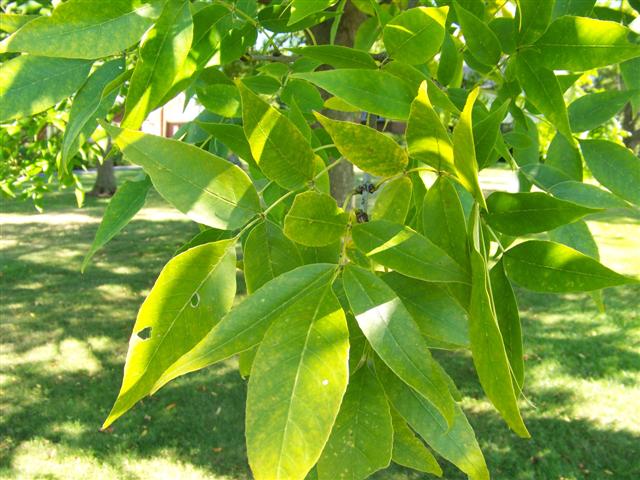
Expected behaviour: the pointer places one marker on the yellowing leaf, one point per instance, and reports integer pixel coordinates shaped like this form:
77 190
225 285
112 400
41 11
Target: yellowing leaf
194 290
368 149
297 382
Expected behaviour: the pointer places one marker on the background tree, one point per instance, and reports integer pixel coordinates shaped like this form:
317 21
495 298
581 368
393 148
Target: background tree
344 306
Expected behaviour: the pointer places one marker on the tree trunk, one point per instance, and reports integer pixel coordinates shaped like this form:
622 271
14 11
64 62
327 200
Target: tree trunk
342 178
105 185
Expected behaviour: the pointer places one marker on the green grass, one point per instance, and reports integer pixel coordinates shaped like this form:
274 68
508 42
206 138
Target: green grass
64 338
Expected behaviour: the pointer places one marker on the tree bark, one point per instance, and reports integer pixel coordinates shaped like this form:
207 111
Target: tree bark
342 177
105 185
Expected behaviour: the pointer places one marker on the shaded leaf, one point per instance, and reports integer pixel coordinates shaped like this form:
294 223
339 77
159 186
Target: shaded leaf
127 201
362 437
592 110
614 166
456 443
315 220
409 451
90 103
267 255
441 319
395 337
487 346
480 39
393 201
401 249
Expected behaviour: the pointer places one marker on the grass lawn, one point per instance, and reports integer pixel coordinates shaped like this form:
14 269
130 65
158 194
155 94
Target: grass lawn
64 339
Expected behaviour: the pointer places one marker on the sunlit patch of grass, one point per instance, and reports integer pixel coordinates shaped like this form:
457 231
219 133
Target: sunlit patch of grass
64 339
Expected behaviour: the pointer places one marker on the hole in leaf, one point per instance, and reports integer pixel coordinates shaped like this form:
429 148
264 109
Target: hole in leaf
195 300
144 334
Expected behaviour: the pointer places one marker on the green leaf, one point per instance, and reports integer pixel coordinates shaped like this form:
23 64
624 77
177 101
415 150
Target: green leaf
508 317
577 236
485 134
590 111
161 57
543 91
630 72
206 188
244 327
578 44
481 41
301 9
85 29
303 94
415 36
396 337
315 220
506 30
194 290
373 91
464 152
533 17
573 7
401 249
487 346
427 138
232 136
221 99
551 267
127 201
90 103
409 451
337 56
267 255
542 175
442 321
10 22
522 213
298 379
393 201
366 148
443 220
450 64
30 84
362 437
456 443
614 166
587 195
278 147
206 236
564 157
